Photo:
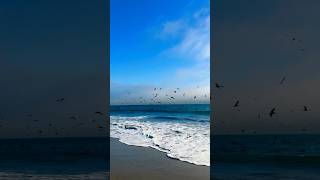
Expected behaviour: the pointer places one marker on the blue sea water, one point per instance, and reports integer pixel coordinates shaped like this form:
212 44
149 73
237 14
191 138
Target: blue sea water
181 131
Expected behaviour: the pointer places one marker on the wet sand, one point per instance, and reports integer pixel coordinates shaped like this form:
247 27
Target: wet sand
141 163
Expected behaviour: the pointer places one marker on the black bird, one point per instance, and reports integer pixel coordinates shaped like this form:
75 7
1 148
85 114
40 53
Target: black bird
172 97
60 100
155 89
272 112
72 117
305 108
195 97
236 104
282 80
175 91
218 85
99 113
243 130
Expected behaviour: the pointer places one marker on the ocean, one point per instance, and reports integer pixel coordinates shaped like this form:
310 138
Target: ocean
266 157
181 131
54 158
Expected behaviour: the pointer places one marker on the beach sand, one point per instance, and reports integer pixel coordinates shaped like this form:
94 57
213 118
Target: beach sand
141 163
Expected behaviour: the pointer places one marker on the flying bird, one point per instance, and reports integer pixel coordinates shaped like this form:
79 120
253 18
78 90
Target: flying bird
72 117
282 80
219 85
60 100
305 108
99 113
272 112
236 104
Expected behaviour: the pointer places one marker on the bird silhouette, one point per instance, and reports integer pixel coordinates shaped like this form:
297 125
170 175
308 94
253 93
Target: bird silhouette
236 104
72 117
305 108
219 85
272 112
60 100
283 79
99 113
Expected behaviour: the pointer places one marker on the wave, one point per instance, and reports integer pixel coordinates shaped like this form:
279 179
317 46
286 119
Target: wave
187 141
196 119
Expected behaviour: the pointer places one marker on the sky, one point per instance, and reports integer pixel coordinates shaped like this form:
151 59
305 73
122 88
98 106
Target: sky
159 44
256 44
52 49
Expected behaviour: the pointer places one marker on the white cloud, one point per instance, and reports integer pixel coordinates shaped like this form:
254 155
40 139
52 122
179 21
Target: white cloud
172 27
196 41
192 45
195 47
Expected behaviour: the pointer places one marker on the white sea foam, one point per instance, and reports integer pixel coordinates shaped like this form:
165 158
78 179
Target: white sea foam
185 141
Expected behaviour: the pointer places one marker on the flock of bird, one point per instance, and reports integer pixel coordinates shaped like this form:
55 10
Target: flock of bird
272 112
57 131
158 93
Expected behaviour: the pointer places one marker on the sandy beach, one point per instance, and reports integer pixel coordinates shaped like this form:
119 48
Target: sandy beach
141 163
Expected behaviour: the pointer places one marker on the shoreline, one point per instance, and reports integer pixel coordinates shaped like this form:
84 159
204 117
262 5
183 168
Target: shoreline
144 163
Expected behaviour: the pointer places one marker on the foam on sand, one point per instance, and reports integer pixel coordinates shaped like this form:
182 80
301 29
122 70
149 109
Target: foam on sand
182 140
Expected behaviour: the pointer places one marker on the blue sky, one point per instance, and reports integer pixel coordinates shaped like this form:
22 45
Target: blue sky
159 44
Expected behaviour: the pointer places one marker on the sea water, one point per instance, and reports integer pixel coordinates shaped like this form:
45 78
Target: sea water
266 157
181 131
54 158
